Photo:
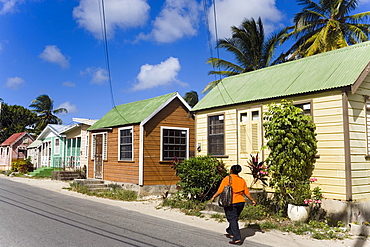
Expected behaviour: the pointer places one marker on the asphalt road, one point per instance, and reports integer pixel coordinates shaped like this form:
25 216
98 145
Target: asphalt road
35 217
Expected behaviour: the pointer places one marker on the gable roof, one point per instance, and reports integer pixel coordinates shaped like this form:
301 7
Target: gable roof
340 68
53 128
135 112
14 138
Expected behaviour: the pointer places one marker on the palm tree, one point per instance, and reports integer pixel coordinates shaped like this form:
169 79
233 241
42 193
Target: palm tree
191 98
250 50
44 108
326 26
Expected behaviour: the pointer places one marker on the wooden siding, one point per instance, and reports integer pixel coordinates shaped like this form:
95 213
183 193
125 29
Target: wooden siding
157 172
113 169
358 138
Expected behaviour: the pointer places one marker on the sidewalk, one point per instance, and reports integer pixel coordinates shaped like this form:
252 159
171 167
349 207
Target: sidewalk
272 238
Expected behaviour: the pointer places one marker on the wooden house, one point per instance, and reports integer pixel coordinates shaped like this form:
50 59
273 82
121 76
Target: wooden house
76 139
48 148
14 148
333 87
136 143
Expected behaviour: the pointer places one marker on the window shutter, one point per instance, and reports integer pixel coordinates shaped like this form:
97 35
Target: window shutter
93 146
255 139
243 138
105 140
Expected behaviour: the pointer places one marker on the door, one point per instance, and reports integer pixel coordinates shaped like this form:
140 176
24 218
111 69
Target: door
98 157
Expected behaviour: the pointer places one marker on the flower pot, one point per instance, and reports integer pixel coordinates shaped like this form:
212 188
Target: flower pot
298 213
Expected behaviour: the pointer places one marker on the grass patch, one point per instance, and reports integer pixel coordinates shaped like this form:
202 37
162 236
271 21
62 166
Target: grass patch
114 192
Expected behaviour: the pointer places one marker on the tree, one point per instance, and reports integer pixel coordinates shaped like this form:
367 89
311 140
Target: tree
326 26
44 108
191 98
250 49
16 119
292 142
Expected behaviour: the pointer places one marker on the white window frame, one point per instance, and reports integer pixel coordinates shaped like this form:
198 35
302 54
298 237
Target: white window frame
131 128
175 128
56 146
221 117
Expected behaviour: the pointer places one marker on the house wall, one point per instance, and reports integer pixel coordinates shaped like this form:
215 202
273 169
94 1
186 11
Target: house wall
157 172
9 154
360 162
4 158
114 169
328 117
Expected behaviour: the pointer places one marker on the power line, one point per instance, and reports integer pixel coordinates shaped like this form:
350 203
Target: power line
217 50
104 33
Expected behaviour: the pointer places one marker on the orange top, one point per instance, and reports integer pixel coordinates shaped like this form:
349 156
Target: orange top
239 187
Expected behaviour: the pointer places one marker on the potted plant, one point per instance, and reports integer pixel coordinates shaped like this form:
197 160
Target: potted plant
292 143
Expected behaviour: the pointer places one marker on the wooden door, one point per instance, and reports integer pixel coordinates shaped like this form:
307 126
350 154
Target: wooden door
98 157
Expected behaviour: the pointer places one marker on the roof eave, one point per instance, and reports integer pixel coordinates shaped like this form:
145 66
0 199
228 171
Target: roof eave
361 78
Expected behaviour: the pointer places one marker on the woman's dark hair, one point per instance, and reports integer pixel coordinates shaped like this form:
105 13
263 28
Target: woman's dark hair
235 169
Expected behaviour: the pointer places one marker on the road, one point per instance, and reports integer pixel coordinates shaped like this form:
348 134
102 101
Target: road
32 216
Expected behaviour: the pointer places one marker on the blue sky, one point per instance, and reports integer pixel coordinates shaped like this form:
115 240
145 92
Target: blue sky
56 47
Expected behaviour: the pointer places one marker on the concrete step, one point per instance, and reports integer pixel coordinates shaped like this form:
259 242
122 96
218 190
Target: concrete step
93 184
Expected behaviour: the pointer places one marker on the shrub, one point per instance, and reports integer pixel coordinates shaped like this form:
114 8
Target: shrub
293 146
199 177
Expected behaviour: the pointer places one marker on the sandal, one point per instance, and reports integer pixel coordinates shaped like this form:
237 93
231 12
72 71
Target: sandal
229 236
238 242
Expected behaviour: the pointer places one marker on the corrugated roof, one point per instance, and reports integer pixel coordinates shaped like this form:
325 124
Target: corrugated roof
13 138
130 113
35 144
334 69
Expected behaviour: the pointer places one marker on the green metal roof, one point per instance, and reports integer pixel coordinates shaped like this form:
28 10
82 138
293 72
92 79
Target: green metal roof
130 113
334 69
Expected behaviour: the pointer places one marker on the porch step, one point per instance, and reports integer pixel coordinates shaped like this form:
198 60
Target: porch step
65 175
93 184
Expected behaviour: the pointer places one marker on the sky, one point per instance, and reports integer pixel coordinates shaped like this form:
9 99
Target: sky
88 58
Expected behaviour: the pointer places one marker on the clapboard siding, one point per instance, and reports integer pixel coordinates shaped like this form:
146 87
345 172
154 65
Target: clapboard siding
155 171
358 134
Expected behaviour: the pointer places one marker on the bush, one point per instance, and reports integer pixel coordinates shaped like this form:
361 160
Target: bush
23 166
199 177
257 212
293 146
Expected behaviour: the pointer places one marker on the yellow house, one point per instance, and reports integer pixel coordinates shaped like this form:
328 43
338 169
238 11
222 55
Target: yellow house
333 87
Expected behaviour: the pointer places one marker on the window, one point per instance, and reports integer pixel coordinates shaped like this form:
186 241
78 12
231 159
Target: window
56 147
125 144
174 143
250 131
306 107
216 135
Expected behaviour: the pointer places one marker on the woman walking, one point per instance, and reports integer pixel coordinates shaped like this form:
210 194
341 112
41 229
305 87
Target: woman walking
232 212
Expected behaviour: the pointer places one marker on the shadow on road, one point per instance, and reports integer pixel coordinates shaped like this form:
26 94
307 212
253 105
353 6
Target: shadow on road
250 231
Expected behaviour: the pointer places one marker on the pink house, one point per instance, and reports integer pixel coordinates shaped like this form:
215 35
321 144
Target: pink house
14 148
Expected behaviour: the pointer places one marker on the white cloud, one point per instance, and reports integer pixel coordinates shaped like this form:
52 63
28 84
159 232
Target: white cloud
178 18
98 75
162 74
71 108
15 82
233 12
53 54
120 14
69 84
8 6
